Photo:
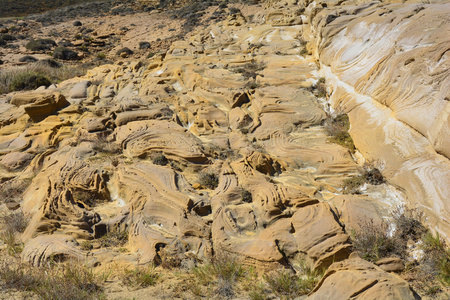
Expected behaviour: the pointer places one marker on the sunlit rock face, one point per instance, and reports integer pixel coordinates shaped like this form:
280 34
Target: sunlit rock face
388 66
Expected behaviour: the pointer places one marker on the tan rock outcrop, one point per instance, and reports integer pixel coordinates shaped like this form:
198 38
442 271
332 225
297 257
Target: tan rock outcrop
390 73
357 278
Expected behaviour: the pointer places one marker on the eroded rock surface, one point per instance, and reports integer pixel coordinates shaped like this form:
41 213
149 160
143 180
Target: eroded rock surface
128 150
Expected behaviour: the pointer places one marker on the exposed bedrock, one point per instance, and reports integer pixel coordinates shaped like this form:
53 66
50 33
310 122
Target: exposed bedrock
390 73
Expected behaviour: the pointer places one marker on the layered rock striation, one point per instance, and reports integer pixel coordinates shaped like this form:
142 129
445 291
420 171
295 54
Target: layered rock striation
130 147
389 69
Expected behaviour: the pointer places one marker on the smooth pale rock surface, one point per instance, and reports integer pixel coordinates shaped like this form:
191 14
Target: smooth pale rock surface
79 90
389 69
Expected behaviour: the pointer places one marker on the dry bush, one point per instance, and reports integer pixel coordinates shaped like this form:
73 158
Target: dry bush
208 179
287 285
250 70
114 238
70 280
222 273
371 175
374 242
160 159
141 277
34 75
12 190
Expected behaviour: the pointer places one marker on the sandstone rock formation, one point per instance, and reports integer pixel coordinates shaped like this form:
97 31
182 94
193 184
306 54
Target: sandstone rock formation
236 100
390 73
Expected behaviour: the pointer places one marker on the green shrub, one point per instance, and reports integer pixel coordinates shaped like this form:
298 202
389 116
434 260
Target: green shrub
338 128
40 45
160 160
101 55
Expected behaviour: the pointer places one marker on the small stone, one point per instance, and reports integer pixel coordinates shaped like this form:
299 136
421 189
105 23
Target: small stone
197 186
77 23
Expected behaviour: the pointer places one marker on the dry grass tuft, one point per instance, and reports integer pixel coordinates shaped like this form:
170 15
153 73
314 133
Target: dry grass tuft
35 75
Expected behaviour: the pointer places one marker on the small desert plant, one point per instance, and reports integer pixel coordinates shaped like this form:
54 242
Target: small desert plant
86 245
371 175
351 185
141 277
101 55
408 224
246 196
375 242
320 89
250 70
103 145
337 128
208 179
65 54
169 260
160 160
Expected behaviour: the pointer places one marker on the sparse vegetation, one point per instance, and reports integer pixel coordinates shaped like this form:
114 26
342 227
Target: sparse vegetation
337 128
141 277
287 285
208 179
40 44
250 70
29 81
222 272
374 241
35 75
12 225
320 89
12 190
114 238
351 185
65 54
69 280
101 55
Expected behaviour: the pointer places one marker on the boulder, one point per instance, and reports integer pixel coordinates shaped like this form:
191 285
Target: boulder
39 105
356 278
